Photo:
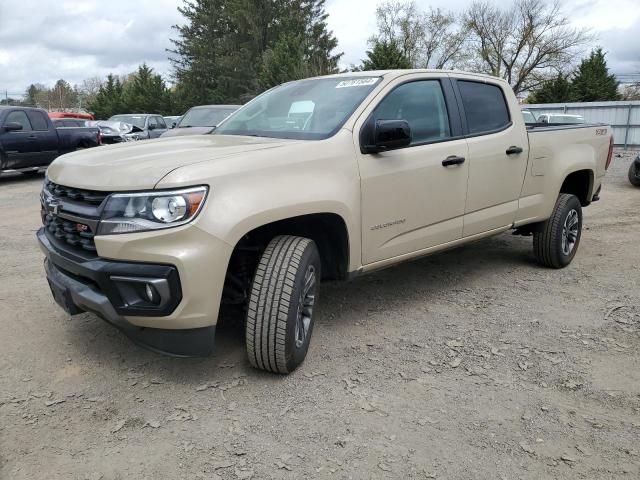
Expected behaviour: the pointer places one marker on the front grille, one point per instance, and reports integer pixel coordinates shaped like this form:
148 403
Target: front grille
71 215
90 197
70 232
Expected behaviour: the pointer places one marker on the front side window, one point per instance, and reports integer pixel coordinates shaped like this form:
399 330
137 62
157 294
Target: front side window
311 109
18 116
160 122
422 105
484 106
38 120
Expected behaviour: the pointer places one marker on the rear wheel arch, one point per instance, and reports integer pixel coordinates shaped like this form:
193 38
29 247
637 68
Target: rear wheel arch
579 183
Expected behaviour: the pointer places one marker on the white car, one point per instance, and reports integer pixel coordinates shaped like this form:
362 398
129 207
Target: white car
561 118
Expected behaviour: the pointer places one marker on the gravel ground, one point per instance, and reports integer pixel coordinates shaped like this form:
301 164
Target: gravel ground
472 364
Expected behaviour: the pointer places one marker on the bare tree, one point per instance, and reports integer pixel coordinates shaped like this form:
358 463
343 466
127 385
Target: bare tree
443 41
525 43
630 91
88 90
431 39
400 24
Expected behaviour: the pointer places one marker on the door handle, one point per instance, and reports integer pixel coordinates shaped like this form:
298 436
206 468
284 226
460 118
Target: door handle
32 136
513 150
452 160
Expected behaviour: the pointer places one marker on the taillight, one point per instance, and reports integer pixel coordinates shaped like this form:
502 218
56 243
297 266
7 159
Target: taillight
99 137
610 154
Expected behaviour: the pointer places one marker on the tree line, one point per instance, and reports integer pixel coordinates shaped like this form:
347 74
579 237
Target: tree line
228 51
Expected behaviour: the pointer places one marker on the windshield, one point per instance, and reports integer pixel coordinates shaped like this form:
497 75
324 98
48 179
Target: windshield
306 109
135 120
204 117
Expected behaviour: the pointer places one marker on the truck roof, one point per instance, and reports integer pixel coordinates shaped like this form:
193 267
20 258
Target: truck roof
4 107
398 73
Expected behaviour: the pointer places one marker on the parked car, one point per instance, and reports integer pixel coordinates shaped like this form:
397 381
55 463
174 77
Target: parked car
29 140
528 116
634 172
388 167
116 132
560 118
200 120
147 125
172 120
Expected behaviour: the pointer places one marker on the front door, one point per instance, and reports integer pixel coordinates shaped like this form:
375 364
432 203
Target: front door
20 146
413 197
46 136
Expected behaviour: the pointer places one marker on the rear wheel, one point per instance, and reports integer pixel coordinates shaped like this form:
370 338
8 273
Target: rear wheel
281 304
634 173
556 243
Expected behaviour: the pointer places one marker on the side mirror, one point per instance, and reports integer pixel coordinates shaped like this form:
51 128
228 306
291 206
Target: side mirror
388 135
12 126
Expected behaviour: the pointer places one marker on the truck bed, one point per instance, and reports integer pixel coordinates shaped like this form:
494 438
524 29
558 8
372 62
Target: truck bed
554 151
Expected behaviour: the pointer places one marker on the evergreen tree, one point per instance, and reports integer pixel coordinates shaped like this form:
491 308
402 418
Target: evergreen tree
108 101
31 96
146 92
230 50
385 55
592 81
554 90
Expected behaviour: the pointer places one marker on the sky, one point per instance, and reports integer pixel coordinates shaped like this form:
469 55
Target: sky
44 40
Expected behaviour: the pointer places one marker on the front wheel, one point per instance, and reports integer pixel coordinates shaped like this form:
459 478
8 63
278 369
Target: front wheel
281 304
556 243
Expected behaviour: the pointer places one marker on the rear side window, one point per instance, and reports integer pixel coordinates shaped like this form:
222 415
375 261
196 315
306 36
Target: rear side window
18 116
422 105
161 123
38 120
484 106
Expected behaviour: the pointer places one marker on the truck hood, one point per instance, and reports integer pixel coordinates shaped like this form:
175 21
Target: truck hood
141 165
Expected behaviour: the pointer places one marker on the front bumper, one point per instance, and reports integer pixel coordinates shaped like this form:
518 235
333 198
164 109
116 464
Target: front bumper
183 326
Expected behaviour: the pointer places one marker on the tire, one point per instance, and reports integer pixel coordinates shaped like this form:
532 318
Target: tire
548 245
634 173
280 313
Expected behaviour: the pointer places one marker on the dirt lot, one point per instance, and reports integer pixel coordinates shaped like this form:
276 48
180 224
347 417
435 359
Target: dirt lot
473 364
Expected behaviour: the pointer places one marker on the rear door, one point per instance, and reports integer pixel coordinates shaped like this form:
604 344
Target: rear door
498 152
46 137
20 146
411 200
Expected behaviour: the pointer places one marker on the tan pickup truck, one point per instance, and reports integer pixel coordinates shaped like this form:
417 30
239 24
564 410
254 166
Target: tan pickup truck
318 179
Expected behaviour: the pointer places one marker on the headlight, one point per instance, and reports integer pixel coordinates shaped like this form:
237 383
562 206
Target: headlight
138 212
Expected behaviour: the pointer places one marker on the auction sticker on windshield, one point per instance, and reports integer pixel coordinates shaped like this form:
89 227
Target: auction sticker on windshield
358 82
